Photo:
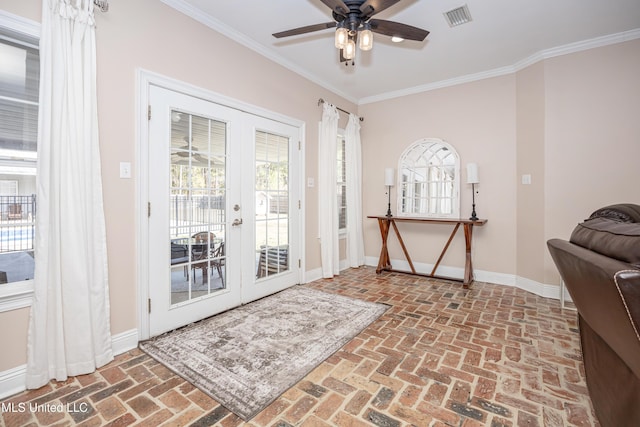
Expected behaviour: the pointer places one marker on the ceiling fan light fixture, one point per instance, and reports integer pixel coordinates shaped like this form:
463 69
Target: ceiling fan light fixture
354 26
349 51
365 40
342 36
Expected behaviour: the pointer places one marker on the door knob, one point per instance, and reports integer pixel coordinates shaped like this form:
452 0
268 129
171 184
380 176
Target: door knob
236 222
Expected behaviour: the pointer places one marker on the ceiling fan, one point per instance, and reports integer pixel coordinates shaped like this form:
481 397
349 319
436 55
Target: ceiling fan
352 18
190 150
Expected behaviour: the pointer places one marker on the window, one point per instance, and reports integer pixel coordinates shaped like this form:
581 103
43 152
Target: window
19 91
341 184
429 180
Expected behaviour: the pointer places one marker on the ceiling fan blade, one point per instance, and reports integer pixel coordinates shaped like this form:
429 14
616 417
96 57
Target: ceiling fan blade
396 29
200 158
337 6
304 30
371 7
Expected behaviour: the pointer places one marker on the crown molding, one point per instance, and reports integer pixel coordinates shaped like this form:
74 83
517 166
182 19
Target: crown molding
577 47
198 15
222 28
437 85
536 57
32 28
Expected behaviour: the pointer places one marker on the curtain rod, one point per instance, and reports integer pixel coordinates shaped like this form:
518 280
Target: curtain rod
321 101
102 4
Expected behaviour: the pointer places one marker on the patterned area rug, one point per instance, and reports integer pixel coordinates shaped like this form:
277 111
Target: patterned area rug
247 357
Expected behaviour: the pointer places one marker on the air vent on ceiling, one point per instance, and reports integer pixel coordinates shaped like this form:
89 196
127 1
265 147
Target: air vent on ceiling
458 16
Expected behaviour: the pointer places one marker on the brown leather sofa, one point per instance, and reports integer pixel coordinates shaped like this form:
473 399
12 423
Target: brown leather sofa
600 267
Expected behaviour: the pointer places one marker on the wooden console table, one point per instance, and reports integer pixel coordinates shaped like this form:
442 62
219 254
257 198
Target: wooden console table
384 263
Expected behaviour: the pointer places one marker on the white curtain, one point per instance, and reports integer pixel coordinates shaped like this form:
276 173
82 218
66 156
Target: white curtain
69 328
327 196
353 158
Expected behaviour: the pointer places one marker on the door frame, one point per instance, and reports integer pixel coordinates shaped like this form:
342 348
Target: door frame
145 79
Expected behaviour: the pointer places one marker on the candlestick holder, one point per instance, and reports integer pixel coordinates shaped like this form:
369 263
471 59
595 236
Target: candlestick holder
389 175
472 178
474 217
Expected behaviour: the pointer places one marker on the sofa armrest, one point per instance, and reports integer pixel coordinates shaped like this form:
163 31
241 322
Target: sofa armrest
628 284
606 293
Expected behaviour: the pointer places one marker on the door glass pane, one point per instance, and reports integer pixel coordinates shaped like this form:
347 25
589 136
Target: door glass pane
272 204
197 206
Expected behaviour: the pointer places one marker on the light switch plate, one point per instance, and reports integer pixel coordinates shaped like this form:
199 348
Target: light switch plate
125 170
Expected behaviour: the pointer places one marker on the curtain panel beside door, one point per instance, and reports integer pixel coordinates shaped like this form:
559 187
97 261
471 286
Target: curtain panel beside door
69 327
328 203
353 157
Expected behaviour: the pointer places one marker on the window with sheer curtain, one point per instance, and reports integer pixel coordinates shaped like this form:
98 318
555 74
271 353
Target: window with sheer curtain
19 91
341 170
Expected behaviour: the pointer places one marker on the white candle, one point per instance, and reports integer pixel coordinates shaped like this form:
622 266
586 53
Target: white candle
472 173
389 177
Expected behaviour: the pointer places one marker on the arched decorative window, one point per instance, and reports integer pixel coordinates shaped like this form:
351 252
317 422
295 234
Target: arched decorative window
429 180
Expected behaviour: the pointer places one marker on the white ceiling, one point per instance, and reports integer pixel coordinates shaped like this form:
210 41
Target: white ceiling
504 35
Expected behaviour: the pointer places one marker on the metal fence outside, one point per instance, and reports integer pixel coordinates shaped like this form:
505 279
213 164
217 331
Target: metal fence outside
193 214
17 223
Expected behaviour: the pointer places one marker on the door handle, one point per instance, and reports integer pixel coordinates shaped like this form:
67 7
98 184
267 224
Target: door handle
236 222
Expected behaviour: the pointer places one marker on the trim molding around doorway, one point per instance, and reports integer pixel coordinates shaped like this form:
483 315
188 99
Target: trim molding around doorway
145 79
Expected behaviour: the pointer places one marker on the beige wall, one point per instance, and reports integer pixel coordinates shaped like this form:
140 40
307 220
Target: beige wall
592 136
147 34
530 123
478 119
571 122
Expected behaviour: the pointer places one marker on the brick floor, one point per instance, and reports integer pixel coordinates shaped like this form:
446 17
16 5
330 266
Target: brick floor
440 356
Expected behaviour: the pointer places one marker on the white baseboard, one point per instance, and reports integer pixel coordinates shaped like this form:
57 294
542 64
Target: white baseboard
541 289
13 381
312 275
124 341
316 273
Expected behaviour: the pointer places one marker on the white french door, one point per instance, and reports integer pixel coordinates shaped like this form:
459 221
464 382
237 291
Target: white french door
224 217
272 179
